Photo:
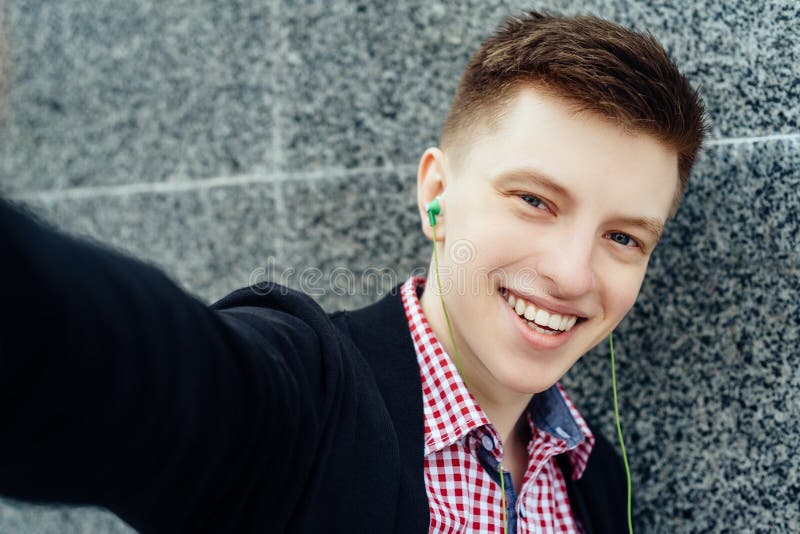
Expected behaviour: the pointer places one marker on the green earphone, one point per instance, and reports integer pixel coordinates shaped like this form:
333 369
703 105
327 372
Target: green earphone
434 208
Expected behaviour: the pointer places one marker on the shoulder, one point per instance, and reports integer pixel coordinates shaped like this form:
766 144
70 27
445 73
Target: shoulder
603 486
605 463
274 309
273 299
288 331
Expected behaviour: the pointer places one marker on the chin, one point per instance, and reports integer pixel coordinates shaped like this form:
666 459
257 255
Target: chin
523 383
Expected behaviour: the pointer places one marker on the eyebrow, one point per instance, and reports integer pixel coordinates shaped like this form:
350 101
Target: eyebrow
527 174
651 225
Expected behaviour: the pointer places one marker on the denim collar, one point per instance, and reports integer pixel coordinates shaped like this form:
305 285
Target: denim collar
551 414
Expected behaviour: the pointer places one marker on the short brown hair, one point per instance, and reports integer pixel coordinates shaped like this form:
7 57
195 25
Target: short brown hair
594 65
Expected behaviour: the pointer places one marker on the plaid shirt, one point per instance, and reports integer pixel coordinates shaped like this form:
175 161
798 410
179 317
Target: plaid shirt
462 448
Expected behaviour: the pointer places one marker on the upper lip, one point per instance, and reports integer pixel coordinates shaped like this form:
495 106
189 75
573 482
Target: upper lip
547 305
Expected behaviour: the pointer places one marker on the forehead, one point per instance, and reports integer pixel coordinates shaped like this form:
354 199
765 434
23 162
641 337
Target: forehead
586 158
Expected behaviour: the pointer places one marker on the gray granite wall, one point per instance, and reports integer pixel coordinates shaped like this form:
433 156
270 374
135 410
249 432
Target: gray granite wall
225 140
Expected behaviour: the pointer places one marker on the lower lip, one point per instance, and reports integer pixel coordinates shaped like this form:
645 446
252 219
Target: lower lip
534 338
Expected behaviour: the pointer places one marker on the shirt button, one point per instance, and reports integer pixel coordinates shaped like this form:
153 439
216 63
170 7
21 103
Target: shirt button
488 442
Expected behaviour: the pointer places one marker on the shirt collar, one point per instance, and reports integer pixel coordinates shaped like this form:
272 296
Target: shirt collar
450 410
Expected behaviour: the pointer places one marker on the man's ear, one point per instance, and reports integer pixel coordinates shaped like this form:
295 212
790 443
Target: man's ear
431 183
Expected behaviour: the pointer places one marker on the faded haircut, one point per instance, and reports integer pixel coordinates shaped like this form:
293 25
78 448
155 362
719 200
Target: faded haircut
595 66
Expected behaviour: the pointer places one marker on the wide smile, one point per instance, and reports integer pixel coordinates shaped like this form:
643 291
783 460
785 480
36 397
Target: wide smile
541 328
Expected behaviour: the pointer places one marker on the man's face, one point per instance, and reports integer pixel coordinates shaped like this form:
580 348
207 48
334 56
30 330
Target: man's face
572 249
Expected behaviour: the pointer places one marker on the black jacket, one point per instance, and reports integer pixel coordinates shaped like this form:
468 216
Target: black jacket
260 413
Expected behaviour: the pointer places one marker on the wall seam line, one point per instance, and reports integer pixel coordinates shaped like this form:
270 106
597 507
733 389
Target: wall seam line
75 193
244 179
754 139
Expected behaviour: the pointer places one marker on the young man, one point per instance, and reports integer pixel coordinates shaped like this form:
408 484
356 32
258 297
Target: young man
568 146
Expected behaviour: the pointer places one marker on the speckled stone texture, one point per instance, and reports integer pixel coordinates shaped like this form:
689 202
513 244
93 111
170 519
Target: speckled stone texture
361 233
209 239
231 141
115 91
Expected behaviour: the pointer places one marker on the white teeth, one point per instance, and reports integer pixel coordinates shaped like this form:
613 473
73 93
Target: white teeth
537 318
542 318
542 330
530 312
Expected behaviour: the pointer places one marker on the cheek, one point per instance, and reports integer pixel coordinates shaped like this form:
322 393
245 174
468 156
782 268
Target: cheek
621 293
501 236
487 240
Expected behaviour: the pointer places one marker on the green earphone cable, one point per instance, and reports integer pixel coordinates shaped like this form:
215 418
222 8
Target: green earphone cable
619 431
457 359
447 318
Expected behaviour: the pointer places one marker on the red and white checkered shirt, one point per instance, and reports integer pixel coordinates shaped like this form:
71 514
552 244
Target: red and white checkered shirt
462 495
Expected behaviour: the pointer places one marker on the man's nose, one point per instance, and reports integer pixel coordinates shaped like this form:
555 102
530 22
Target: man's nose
567 265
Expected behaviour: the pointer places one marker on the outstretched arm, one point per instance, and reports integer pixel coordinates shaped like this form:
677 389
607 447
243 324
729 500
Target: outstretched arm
119 389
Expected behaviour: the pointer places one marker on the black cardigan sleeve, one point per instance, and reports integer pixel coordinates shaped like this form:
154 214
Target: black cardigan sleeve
119 389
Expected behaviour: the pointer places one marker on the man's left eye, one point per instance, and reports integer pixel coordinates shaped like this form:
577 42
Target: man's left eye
623 239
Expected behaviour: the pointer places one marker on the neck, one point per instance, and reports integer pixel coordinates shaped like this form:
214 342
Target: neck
502 406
